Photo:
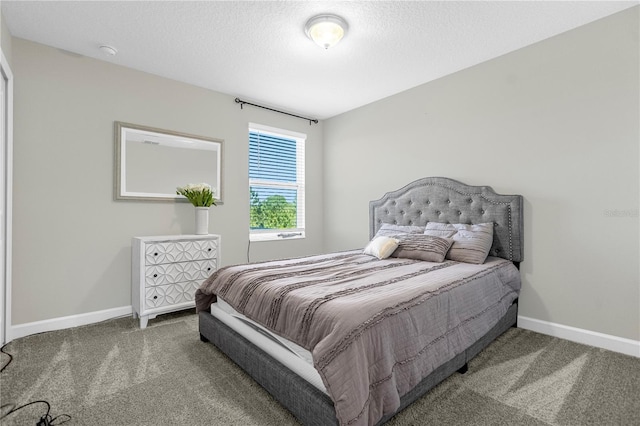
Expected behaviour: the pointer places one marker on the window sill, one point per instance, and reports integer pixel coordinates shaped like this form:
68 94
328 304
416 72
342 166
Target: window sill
277 236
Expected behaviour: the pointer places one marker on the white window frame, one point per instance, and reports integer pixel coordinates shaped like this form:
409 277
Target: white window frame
289 234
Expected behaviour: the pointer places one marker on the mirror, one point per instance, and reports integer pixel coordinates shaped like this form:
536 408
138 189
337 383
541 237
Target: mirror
151 163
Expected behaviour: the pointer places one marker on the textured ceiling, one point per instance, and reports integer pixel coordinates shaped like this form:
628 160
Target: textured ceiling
259 52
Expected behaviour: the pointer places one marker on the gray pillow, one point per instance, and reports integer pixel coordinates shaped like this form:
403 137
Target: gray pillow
471 243
389 230
422 247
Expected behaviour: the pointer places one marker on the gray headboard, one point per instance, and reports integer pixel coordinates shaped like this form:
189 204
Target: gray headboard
438 199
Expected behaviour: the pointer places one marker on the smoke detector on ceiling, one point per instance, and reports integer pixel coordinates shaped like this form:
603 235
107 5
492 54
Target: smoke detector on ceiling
109 50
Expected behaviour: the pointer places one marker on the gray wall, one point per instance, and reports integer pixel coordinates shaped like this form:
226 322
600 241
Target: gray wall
5 39
71 240
556 122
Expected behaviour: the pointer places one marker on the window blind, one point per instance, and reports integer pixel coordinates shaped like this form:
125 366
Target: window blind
276 185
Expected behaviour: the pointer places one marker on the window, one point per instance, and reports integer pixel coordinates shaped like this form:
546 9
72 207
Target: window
276 183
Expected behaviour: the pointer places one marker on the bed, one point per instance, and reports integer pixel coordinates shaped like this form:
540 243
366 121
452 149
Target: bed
363 376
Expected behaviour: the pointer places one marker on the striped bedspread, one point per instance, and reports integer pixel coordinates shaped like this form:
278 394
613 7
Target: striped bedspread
375 327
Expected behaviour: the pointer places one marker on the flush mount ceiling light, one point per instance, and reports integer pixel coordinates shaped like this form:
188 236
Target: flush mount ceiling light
326 30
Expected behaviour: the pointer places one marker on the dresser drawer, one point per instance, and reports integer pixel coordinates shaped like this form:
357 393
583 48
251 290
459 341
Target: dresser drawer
180 251
172 273
171 294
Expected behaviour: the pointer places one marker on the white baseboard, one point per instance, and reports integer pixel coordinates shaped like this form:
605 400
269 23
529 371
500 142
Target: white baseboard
22 330
579 335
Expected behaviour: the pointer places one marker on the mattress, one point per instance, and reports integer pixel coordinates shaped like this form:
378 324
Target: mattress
291 355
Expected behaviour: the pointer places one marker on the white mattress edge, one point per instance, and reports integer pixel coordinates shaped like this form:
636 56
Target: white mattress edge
278 351
297 349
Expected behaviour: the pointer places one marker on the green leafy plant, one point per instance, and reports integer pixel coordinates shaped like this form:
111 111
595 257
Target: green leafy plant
199 194
274 212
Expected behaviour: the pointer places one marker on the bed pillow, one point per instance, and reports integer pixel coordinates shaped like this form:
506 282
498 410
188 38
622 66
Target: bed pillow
436 229
389 230
422 247
471 243
381 247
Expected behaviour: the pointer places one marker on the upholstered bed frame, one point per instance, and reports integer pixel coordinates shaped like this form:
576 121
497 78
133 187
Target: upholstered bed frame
433 199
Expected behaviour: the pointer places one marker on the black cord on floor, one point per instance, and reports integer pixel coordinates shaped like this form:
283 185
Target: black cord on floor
46 419
8 354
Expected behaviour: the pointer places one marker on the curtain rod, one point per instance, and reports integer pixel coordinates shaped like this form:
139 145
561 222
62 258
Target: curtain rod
242 103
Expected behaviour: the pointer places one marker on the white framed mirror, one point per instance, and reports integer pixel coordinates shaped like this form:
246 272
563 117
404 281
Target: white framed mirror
151 163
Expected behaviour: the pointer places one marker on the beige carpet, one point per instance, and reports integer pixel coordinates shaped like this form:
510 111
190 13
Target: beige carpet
113 373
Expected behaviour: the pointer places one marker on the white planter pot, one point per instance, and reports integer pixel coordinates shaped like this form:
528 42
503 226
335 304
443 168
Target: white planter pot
202 220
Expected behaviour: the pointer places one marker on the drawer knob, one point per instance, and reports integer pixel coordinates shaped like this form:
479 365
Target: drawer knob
208 269
209 249
155 297
155 254
155 275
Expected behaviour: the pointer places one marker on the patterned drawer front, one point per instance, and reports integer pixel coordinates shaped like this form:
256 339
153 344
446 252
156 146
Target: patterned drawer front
172 294
180 251
178 272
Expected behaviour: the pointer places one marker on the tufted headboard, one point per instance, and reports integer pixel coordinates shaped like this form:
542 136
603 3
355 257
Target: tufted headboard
438 199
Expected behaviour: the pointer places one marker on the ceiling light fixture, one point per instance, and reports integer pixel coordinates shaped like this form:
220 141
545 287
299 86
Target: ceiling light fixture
109 50
326 30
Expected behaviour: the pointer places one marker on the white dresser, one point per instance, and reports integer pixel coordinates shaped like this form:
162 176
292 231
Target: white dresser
167 270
